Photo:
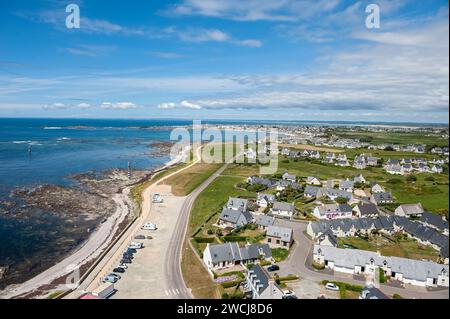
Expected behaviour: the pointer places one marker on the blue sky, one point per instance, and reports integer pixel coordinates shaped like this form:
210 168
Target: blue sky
228 59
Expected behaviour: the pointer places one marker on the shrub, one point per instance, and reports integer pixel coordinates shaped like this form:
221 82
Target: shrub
411 178
341 200
288 278
382 276
202 240
265 263
318 266
397 296
395 181
225 296
234 238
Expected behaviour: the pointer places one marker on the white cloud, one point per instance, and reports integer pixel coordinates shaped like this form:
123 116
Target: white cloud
166 106
189 105
118 106
84 105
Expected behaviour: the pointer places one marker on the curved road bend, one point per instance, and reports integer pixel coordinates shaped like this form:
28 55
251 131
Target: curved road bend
172 264
300 257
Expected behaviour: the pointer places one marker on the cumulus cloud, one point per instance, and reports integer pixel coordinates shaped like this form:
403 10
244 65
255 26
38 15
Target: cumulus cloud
166 106
190 105
118 106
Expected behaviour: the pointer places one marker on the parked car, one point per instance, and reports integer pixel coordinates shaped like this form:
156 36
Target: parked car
290 297
110 279
131 250
115 276
124 266
331 286
119 270
273 268
149 226
139 237
125 261
128 255
149 237
288 293
136 246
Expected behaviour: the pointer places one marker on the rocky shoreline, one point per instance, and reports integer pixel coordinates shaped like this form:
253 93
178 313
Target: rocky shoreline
65 217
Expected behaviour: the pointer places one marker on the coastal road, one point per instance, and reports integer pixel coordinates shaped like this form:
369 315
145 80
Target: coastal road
172 264
301 257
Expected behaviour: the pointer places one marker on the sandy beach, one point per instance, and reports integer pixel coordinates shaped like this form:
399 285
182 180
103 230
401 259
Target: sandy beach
96 243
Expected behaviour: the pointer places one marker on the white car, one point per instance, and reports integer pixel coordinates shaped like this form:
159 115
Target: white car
331 286
288 293
149 226
157 198
124 266
136 245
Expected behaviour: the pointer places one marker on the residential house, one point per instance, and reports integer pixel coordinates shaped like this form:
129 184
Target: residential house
366 210
327 239
342 157
265 200
238 204
422 168
372 161
314 192
264 221
360 162
313 181
289 177
382 198
256 180
285 152
230 218
435 221
377 188
223 256
333 211
361 262
359 179
342 163
279 237
314 154
395 169
346 185
409 210
333 194
437 169
283 210
261 285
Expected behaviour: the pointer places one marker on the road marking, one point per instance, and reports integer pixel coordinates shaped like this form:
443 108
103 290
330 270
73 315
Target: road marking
167 294
178 292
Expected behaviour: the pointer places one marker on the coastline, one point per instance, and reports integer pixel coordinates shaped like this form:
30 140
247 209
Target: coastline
89 250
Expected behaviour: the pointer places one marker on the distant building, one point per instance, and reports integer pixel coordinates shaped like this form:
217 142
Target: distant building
333 211
264 221
371 292
265 200
230 218
366 210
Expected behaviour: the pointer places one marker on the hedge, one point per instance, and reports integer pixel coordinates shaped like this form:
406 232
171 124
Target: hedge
234 238
203 240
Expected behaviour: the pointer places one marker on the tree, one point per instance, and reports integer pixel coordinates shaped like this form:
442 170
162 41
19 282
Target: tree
341 200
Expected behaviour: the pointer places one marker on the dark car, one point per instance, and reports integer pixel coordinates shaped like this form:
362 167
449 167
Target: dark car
290 297
131 251
273 268
119 270
139 237
126 261
127 255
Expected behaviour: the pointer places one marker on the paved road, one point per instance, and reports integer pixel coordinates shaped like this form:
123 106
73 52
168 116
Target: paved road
301 255
172 264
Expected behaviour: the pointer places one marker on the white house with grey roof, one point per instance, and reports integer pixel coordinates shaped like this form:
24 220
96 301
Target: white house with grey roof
238 204
409 210
279 237
282 210
265 200
223 256
261 285
366 210
361 262
289 177
333 211
382 198
311 180
264 221
230 218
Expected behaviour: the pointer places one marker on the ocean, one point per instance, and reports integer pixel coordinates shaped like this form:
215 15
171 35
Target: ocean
60 148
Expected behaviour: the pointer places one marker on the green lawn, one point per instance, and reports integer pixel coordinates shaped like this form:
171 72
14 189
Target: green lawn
280 254
404 248
213 198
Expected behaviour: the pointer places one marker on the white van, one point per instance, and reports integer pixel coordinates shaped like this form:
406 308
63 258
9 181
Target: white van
149 226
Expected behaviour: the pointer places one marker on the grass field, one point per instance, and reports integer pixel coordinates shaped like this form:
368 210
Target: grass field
311 148
406 249
188 180
396 138
196 277
214 197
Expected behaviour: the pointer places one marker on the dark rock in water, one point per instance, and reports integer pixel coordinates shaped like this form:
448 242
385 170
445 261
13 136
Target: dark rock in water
3 271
